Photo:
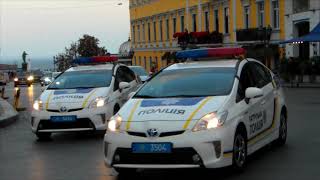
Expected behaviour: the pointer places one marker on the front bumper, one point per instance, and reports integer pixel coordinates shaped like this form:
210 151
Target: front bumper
87 119
209 149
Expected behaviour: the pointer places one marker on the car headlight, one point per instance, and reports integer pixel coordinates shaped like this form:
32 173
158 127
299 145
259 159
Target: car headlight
15 79
47 79
30 78
115 123
99 102
210 121
37 105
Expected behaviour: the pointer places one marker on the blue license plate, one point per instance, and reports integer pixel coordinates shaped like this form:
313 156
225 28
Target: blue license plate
151 147
63 118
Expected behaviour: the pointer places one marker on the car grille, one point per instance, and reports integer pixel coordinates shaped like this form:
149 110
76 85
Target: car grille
70 110
163 134
79 123
178 156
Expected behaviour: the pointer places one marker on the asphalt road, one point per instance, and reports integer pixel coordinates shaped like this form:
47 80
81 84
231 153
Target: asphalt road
80 156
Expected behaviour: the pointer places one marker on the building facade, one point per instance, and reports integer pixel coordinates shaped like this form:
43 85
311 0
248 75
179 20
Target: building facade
240 22
301 16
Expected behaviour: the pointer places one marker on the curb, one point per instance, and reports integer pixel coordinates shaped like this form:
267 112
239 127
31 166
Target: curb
8 114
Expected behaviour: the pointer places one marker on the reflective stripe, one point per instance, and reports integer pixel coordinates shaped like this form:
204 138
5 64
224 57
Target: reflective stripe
195 112
87 99
48 99
131 114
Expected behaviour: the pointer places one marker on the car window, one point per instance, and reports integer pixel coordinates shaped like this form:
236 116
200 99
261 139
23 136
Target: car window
139 70
82 79
262 76
124 74
245 81
182 82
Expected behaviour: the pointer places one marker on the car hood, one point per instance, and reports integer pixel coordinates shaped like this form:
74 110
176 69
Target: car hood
173 114
71 98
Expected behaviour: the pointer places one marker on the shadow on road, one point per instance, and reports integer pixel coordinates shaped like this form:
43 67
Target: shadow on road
197 174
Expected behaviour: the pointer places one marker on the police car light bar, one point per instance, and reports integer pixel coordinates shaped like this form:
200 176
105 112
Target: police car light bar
211 52
95 60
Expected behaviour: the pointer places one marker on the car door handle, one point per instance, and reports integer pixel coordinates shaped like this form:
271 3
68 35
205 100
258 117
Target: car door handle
263 102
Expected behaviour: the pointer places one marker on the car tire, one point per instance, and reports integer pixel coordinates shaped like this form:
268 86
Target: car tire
126 172
239 158
116 109
283 130
43 135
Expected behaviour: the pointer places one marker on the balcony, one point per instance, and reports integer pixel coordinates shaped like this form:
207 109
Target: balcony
254 34
300 6
196 38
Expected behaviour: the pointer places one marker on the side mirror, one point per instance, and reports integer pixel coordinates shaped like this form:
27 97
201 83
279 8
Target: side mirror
123 85
43 88
253 92
131 95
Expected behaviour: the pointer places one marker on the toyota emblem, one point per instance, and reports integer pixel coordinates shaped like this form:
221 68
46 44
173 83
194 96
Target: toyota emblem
153 132
63 109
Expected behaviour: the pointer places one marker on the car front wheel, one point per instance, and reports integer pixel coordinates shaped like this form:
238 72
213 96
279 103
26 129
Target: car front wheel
43 135
283 130
240 150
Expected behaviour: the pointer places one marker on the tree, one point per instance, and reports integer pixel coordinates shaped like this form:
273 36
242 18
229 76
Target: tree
87 46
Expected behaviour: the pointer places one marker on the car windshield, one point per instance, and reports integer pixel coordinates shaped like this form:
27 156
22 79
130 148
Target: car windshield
82 79
189 83
139 71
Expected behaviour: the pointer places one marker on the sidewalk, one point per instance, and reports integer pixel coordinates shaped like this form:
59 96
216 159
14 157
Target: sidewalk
7 113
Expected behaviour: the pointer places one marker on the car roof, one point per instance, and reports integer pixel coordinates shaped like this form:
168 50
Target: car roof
229 63
135 67
91 67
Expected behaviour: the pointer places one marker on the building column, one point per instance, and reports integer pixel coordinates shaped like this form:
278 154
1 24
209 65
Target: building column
199 16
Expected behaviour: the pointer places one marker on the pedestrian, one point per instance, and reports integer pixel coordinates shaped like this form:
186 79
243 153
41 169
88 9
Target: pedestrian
291 71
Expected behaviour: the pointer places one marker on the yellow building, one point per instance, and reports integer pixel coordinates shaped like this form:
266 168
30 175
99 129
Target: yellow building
153 23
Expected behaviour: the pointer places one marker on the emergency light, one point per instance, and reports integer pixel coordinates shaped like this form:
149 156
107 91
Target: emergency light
210 52
95 60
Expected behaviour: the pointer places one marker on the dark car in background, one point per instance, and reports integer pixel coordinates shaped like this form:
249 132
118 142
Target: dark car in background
23 78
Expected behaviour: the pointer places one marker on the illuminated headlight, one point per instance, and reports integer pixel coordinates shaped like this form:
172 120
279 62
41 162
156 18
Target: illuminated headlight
211 121
15 79
47 79
99 102
115 123
37 105
30 78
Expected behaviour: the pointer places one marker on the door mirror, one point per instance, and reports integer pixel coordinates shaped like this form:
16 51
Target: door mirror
43 88
253 92
123 85
131 95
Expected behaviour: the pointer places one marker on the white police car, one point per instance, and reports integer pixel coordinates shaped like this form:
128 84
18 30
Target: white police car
83 97
198 114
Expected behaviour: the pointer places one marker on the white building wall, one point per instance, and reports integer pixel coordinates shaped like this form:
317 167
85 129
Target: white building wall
312 16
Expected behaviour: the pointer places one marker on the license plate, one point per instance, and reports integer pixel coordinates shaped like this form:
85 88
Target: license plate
63 118
151 147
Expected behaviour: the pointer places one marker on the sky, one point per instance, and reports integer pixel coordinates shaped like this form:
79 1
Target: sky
43 28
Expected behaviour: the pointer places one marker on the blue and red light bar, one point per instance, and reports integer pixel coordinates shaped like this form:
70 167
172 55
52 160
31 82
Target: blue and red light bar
211 52
95 60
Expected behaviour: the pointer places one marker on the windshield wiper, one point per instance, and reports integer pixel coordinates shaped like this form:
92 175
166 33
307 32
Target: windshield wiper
144 96
183 95
84 87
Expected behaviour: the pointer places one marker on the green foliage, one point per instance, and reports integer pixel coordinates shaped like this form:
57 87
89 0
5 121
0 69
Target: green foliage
86 46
